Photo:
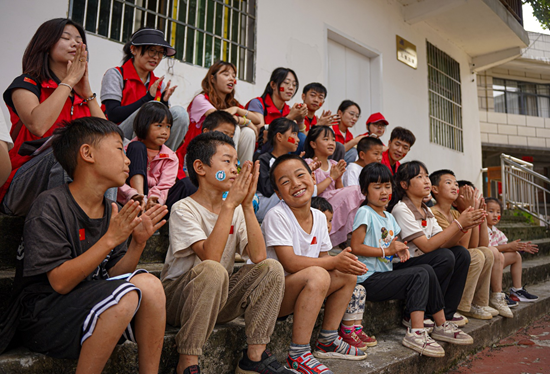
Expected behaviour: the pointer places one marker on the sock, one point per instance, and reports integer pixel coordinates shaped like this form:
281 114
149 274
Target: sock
327 336
346 329
416 330
296 350
358 328
516 289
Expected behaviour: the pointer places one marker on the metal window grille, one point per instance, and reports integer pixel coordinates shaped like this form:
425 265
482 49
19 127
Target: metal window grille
526 98
201 31
445 99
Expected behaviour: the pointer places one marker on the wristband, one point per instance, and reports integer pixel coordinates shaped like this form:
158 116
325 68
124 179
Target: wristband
65 84
246 114
90 98
383 252
460 226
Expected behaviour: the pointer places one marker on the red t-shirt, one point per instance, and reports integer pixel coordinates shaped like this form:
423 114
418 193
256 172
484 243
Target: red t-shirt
386 161
310 122
340 137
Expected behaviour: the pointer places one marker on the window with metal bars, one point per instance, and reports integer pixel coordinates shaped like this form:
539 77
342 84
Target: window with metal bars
445 99
515 97
201 31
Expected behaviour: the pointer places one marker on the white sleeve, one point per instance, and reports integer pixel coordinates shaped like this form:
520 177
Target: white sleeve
276 229
410 228
325 243
4 132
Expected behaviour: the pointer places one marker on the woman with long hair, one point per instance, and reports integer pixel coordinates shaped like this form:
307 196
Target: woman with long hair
53 88
218 93
124 89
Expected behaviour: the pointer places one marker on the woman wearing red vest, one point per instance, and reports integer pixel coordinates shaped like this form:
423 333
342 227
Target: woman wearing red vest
218 93
282 87
53 88
126 88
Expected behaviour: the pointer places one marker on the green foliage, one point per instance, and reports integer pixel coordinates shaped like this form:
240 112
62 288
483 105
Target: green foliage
541 10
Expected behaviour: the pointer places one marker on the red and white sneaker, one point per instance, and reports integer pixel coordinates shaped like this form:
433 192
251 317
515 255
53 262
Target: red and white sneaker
370 341
307 364
352 339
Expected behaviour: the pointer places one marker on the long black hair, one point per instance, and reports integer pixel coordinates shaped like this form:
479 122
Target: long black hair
313 135
374 172
406 172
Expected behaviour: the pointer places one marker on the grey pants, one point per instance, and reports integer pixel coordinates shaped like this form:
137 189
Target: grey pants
177 132
207 295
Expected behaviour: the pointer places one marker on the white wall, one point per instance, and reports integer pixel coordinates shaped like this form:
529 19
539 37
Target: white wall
294 34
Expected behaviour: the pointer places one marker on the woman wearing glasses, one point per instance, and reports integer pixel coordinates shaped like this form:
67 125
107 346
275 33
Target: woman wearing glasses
349 113
124 89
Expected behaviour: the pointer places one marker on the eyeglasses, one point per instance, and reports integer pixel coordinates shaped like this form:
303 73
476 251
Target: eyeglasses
153 53
353 114
379 125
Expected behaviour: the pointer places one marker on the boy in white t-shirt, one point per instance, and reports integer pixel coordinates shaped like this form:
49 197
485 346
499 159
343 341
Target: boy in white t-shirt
369 149
297 236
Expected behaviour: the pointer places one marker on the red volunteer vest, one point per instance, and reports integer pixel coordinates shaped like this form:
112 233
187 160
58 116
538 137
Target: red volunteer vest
310 123
71 110
271 112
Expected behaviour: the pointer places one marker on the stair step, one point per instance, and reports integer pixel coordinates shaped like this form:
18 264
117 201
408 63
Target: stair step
388 357
523 231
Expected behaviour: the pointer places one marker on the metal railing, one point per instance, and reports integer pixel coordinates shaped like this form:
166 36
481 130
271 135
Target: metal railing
514 7
523 188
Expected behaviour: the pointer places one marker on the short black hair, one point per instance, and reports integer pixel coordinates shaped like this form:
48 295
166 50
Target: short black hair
496 201
374 172
280 126
315 86
202 148
322 204
68 139
463 183
278 162
149 113
367 143
314 133
435 177
401 133
215 119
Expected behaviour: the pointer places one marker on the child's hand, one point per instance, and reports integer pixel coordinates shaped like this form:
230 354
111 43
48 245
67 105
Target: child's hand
240 188
465 198
395 247
471 217
124 222
140 199
247 202
348 263
154 87
337 170
232 110
150 222
151 201
168 91
530 248
298 112
315 164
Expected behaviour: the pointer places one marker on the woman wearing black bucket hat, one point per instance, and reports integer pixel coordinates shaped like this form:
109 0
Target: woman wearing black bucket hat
126 88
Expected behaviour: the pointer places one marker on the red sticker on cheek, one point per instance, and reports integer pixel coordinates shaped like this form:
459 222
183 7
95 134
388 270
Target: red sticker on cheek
390 196
282 89
235 82
291 140
498 218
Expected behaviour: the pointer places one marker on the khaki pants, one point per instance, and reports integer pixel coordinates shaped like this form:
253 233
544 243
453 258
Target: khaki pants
476 290
207 295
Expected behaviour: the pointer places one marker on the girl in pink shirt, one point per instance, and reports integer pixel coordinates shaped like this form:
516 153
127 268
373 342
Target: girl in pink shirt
154 166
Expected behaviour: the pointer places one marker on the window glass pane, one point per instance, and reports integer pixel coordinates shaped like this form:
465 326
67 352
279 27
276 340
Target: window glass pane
91 15
190 45
192 12
210 16
498 84
543 89
208 51
527 87
116 22
512 86
530 105
217 49
104 12
200 14
544 107
198 48
128 27
218 20
500 103
512 103
78 11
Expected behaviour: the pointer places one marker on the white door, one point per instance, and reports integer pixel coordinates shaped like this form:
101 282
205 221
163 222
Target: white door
348 78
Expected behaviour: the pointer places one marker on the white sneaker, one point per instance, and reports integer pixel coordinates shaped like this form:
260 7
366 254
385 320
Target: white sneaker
476 312
422 343
498 301
449 332
493 311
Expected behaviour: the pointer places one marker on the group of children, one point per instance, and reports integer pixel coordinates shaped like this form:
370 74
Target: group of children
77 290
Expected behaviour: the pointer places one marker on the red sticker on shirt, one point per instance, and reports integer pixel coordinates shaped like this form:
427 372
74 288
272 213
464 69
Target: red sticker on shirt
82 234
29 80
231 231
164 155
424 223
314 241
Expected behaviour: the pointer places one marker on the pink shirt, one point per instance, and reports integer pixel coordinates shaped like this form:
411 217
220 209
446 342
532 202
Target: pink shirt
200 106
161 176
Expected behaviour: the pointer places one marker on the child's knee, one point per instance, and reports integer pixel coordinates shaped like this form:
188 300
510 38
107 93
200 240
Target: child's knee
125 309
477 259
151 287
274 268
317 278
210 274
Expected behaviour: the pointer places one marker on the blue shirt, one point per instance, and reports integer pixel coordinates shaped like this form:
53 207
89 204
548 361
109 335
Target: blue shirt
380 233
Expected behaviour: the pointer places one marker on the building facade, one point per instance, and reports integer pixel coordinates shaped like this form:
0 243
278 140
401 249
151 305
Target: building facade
351 46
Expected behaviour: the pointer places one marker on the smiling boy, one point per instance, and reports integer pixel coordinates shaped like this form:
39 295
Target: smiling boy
297 236
205 233
401 142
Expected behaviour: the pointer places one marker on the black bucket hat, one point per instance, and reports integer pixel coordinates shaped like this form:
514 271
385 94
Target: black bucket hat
152 37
